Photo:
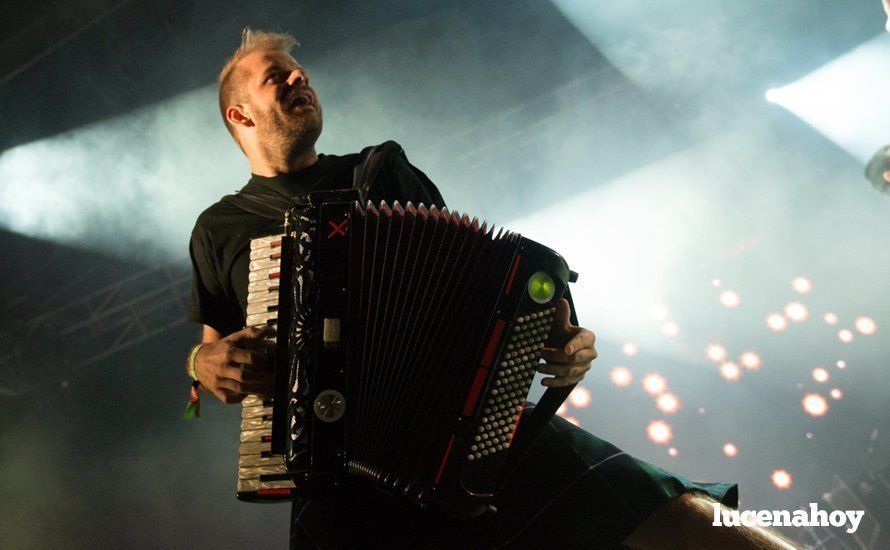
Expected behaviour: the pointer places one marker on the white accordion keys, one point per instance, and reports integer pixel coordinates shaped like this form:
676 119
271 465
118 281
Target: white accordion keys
261 475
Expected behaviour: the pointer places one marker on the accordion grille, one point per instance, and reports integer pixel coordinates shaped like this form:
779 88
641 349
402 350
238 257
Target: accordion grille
420 284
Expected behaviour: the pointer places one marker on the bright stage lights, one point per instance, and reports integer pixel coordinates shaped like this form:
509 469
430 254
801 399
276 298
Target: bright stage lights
716 353
659 432
580 397
621 377
845 99
670 329
773 95
801 285
797 312
654 384
750 360
815 405
668 403
729 298
776 322
866 325
730 371
781 479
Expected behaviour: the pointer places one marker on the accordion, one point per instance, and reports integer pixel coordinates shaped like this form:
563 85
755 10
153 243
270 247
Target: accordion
407 340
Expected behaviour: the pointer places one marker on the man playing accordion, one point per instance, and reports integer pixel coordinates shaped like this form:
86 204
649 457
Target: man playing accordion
569 489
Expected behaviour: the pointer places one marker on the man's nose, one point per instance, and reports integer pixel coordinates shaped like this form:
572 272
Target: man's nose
297 77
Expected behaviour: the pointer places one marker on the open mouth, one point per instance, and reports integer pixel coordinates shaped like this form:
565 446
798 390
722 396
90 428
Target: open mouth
300 100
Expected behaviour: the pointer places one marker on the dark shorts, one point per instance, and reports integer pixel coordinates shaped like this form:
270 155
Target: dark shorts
570 490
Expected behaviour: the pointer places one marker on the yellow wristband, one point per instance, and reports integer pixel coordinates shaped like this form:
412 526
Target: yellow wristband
190 363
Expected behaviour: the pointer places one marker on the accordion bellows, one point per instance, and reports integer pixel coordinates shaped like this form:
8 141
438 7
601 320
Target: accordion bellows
412 340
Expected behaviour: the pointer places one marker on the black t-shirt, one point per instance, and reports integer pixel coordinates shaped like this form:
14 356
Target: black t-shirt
220 243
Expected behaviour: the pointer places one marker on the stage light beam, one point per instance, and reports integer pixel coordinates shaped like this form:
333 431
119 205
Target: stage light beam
844 99
774 95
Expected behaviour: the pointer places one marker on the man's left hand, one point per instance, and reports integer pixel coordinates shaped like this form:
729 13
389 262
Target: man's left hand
570 350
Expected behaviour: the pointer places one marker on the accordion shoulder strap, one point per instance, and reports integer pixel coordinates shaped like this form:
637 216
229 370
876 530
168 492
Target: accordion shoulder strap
266 206
274 206
363 174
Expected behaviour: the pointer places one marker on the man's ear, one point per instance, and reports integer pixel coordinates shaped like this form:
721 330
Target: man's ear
236 115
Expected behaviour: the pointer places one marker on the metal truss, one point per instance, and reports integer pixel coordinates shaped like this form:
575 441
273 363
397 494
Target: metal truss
93 327
842 497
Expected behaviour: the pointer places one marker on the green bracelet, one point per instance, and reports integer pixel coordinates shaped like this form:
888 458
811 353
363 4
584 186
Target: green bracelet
190 363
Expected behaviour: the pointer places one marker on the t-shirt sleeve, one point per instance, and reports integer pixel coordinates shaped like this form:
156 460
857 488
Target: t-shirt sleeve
209 304
400 180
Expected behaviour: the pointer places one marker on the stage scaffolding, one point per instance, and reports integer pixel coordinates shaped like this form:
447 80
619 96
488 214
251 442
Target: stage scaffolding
61 341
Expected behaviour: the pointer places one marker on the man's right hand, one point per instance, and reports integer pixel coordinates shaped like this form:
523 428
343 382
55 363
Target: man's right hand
237 365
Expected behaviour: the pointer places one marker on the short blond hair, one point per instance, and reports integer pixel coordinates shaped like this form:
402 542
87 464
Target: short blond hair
232 78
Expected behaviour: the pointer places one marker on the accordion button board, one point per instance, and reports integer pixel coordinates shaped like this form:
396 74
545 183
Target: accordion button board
262 476
501 414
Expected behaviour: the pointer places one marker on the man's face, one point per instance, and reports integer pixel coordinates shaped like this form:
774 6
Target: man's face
281 103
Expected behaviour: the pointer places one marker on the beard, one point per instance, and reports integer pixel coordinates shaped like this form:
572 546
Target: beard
285 135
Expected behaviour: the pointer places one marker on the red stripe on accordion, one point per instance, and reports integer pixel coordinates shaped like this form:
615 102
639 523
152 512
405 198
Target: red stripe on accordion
474 391
492 345
276 275
273 492
490 349
513 274
444 460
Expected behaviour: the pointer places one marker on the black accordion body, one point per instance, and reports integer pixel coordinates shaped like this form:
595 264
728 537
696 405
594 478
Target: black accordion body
407 341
